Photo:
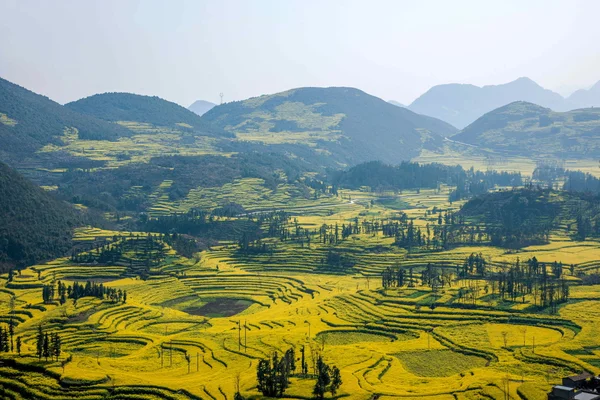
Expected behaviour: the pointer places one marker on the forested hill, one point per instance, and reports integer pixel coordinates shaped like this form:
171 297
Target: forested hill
350 125
29 121
526 216
526 129
34 226
148 109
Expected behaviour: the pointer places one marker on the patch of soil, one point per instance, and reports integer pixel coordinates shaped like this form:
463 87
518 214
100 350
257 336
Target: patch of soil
222 307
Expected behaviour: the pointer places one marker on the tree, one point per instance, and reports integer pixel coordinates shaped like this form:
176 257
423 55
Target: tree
323 379
336 380
19 345
39 344
46 347
55 346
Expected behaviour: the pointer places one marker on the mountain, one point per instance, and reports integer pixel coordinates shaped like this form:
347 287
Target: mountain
34 226
396 103
28 121
347 124
200 107
522 128
460 104
147 109
586 98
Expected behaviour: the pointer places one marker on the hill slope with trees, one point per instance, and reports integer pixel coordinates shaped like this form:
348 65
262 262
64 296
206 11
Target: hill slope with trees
350 125
522 128
28 121
148 109
34 226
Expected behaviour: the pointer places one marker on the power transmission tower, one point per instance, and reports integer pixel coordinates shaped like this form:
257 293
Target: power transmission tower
221 94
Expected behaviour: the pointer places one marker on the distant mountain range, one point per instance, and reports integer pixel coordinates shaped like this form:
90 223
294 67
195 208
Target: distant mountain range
348 124
200 107
461 104
527 129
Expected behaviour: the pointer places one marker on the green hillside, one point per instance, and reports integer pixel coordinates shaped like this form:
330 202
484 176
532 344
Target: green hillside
28 121
148 109
34 226
522 128
349 125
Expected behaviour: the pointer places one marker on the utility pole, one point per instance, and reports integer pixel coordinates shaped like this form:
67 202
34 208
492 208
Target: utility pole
171 353
197 361
308 328
245 335
239 323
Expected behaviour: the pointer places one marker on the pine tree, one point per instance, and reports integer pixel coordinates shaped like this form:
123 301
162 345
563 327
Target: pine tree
46 347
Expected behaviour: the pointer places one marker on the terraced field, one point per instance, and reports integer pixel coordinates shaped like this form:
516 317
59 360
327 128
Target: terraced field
191 327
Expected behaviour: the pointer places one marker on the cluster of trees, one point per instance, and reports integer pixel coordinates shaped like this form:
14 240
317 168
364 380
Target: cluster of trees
273 375
545 283
514 218
548 288
407 175
397 277
329 379
577 181
78 290
474 183
140 252
548 173
47 345
7 341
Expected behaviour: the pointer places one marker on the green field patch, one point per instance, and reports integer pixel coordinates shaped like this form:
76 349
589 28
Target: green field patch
438 362
168 328
224 307
345 337
394 203
112 348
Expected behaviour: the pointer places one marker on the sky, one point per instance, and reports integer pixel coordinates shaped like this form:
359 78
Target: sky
188 50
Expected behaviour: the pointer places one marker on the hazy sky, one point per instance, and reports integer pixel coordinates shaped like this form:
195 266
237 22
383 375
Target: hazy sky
188 50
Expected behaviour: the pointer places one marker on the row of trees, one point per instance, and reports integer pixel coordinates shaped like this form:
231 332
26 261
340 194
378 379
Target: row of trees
544 283
7 342
47 345
79 290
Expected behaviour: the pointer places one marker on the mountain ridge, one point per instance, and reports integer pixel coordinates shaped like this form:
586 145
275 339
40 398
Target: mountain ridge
121 106
461 104
201 107
339 120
